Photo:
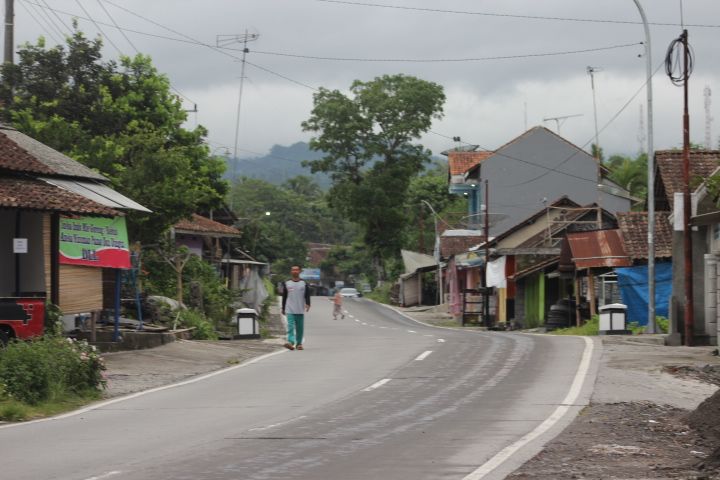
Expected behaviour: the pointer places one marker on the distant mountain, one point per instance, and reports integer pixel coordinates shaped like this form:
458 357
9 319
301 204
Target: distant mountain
282 163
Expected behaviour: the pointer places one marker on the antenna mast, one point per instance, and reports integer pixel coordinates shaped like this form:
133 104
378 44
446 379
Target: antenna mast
223 41
560 120
707 93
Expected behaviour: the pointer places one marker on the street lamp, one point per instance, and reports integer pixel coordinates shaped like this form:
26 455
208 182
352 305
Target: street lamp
436 253
651 326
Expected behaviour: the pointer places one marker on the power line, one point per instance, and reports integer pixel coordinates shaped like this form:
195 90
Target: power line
442 60
121 30
58 17
99 28
555 168
48 18
509 15
42 26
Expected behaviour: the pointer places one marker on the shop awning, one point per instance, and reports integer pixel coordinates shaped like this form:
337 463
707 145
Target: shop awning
97 192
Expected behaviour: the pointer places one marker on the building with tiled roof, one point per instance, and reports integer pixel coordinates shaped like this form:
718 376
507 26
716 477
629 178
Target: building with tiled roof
669 173
63 227
634 229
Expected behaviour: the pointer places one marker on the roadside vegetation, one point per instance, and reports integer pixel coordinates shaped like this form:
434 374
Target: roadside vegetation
48 375
592 327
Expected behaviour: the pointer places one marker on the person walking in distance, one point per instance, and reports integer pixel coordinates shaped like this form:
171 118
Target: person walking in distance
337 305
295 302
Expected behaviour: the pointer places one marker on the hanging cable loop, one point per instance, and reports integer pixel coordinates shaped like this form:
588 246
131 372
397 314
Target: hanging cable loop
674 61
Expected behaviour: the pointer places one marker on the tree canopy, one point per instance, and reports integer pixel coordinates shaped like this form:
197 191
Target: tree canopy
367 140
118 118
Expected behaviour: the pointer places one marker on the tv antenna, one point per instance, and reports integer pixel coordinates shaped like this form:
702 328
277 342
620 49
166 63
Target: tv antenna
560 120
222 41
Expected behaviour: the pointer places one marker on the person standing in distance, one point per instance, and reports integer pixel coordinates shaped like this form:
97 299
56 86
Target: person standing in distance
295 302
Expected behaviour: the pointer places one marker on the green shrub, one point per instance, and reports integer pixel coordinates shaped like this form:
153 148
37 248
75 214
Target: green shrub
381 293
663 324
202 328
13 411
49 368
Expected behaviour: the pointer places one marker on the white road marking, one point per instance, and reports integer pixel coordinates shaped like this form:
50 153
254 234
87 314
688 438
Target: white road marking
145 392
559 412
441 340
276 424
428 335
105 475
363 323
412 331
383 327
423 355
376 385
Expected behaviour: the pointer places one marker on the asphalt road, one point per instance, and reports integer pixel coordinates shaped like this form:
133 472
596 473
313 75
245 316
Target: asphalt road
375 395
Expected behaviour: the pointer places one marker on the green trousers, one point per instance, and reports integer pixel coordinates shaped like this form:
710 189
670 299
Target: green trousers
295 328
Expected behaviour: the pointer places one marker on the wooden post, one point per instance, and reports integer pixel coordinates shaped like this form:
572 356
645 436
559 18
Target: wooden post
591 292
93 323
578 319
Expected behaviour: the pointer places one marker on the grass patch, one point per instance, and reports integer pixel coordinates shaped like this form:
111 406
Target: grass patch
590 328
15 411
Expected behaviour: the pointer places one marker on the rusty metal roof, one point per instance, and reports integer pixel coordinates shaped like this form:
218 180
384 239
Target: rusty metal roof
600 248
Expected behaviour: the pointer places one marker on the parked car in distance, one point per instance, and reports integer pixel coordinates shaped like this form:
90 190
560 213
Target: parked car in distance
350 292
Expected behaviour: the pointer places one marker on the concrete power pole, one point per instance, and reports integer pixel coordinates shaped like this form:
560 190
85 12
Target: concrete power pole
707 93
9 31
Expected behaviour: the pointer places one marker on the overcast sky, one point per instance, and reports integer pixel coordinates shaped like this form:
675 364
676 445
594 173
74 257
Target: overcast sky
489 101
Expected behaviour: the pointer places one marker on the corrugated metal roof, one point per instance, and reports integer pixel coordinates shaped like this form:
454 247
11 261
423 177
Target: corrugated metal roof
600 248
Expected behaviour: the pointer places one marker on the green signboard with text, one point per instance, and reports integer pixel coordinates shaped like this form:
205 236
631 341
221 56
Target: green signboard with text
94 241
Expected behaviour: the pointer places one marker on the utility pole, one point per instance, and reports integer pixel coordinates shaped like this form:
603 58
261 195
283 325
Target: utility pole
687 231
598 159
560 120
222 41
9 31
707 93
486 303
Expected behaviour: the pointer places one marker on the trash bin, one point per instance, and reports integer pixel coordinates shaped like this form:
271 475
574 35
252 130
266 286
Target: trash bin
613 319
247 324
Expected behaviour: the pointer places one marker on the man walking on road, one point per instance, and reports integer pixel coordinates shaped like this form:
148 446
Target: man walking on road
295 301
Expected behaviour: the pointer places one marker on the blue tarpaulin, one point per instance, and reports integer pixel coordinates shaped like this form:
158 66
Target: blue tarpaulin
633 283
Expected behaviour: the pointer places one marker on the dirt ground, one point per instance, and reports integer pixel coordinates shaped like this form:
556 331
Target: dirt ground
637 440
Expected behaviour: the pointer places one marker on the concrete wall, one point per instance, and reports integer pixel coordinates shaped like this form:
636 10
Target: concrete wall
700 248
519 177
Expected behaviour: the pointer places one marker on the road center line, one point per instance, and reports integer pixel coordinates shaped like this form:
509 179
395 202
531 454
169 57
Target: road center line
276 424
559 412
412 331
441 340
105 475
423 355
376 385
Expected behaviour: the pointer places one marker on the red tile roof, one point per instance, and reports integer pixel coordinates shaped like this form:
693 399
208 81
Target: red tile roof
454 245
634 228
31 194
670 169
202 225
21 153
461 162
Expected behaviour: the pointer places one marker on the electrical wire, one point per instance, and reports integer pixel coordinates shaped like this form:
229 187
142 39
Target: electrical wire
121 30
555 168
57 16
674 61
47 17
441 60
102 32
509 15
42 26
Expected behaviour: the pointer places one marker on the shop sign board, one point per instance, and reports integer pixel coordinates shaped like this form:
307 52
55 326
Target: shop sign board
94 241
310 274
20 245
